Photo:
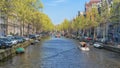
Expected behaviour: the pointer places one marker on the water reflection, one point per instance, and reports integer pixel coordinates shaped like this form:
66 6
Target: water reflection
30 59
62 53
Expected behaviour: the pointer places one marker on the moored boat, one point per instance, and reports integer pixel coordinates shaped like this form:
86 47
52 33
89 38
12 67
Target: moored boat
20 50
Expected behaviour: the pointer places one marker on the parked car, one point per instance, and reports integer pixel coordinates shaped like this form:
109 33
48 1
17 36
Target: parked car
19 39
13 40
98 45
88 38
26 38
44 34
37 35
9 36
32 36
104 40
5 43
73 36
2 44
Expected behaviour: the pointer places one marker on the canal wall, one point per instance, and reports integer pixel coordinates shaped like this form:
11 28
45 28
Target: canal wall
4 53
112 48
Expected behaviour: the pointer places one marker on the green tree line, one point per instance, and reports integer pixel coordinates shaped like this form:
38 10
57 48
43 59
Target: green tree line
26 12
93 18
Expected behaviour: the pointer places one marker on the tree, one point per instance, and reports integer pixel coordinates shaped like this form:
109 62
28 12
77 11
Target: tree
115 11
6 11
26 12
65 25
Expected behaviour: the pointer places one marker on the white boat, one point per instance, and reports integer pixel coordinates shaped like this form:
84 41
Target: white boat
85 48
36 41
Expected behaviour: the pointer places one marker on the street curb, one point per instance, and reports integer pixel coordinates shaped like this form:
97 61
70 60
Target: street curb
111 48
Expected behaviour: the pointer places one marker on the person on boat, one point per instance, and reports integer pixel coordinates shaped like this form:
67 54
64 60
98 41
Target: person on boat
84 45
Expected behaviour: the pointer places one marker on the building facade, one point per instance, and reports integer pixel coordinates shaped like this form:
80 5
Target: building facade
13 27
88 8
107 30
2 25
92 4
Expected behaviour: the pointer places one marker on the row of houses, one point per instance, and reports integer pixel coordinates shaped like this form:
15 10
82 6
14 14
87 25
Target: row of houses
12 27
108 30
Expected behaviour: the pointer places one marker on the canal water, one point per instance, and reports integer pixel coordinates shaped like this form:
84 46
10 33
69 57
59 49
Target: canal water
62 53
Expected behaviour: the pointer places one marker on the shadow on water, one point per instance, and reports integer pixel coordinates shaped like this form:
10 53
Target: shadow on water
7 60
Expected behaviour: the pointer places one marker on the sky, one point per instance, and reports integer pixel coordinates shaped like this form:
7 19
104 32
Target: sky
58 10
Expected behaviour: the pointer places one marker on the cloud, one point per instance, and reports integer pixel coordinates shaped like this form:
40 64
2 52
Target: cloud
55 2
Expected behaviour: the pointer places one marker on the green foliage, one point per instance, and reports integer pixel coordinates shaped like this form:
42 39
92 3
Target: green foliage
27 12
91 20
64 26
115 11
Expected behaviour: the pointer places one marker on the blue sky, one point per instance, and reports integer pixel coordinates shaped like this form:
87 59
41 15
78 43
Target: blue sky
58 10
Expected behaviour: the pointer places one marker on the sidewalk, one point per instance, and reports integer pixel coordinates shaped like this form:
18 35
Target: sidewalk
110 47
114 48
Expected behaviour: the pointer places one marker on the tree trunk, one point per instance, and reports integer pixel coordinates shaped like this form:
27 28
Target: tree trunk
28 29
104 30
95 34
6 32
14 28
36 29
33 28
20 28
83 32
77 32
90 32
23 28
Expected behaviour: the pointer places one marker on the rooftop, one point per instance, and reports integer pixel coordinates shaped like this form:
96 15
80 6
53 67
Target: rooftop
91 2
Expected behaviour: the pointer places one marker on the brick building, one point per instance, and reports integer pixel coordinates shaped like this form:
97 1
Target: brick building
92 4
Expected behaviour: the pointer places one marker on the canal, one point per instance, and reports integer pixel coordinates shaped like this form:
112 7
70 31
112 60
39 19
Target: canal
62 53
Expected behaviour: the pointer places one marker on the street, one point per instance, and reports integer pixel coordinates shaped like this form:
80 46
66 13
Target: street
62 53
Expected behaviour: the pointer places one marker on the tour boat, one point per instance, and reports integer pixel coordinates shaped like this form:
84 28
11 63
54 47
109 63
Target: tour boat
85 48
